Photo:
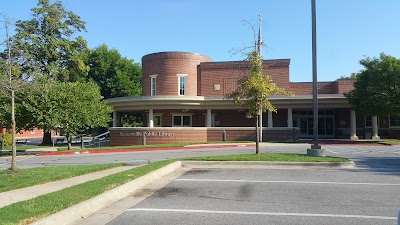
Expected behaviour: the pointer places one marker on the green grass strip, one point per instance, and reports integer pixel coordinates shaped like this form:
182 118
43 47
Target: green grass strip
28 177
390 141
289 157
28 211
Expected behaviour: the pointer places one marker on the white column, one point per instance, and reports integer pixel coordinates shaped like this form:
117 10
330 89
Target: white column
353 133
289 117
375 128
270 123
151 118
115 119
208 119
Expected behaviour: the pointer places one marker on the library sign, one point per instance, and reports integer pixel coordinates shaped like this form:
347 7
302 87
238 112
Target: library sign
147 134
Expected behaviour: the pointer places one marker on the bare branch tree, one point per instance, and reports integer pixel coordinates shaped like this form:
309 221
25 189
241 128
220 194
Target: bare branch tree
11 81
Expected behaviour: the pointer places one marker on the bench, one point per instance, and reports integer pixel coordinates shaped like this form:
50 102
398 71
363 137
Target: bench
58 139
21 141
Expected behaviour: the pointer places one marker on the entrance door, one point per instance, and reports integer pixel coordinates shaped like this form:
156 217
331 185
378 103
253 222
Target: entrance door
305 121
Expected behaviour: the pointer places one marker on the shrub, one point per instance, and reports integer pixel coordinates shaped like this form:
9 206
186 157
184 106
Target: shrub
6 138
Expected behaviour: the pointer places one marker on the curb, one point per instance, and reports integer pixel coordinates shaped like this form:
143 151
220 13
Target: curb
144 149
264 165
90 206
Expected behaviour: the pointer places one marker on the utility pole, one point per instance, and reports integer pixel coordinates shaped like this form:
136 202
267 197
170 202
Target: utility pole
315 149
259 48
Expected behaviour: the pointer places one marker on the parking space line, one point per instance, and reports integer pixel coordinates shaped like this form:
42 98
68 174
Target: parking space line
284 181
262 213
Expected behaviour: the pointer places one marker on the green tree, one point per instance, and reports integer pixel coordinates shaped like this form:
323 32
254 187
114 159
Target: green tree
254 91
50 45
75 106
377 87
117 76
352 76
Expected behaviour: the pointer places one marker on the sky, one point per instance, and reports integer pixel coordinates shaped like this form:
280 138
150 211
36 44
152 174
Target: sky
347 30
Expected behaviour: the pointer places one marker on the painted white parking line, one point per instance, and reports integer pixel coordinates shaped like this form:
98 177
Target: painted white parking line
262 213
286 181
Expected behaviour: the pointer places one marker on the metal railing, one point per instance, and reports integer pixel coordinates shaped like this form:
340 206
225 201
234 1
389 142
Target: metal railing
100 140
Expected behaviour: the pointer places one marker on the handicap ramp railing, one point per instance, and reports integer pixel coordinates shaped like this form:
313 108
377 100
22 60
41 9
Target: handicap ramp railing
100 140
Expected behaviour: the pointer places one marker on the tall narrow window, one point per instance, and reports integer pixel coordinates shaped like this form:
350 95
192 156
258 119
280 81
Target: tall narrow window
182 84
394 121
368 121
153 83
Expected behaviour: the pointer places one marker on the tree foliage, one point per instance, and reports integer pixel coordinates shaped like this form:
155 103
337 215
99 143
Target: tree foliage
377 87
71 106
117 76
48 45
352 76
254 90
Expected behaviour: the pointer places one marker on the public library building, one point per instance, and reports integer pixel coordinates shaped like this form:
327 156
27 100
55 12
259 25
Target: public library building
184 101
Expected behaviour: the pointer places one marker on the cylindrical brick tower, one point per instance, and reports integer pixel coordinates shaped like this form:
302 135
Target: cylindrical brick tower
166 68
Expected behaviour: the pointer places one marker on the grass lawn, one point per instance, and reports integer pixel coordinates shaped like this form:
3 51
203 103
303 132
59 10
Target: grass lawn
28 211
28 177
288 157
390 141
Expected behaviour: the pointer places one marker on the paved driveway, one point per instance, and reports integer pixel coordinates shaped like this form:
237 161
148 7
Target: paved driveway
273 196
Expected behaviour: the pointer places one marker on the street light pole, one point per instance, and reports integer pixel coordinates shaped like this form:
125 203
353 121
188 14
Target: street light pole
315 149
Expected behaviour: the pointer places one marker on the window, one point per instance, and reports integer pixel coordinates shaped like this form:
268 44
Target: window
368 121
182 84
157 121
394 121
153 79
181 121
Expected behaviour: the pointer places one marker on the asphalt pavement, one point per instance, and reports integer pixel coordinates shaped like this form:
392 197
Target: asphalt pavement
272 196
368 194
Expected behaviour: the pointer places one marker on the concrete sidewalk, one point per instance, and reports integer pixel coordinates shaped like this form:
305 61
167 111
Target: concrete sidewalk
44 149
13 196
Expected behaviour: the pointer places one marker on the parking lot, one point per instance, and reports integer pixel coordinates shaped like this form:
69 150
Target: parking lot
271 196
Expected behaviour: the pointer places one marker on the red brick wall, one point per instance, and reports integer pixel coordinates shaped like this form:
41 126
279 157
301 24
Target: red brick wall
34 133
306 87
339 86
232 118
227 75
167 65
133 136
344 85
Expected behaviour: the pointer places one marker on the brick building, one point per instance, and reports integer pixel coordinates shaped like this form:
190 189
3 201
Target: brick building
183 101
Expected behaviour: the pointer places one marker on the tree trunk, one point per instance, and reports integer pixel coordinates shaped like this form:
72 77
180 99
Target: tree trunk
257 137
13 127
46 138
69 139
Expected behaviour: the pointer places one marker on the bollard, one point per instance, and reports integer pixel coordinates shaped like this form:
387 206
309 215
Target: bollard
293 134
224 136
144 138
81 142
